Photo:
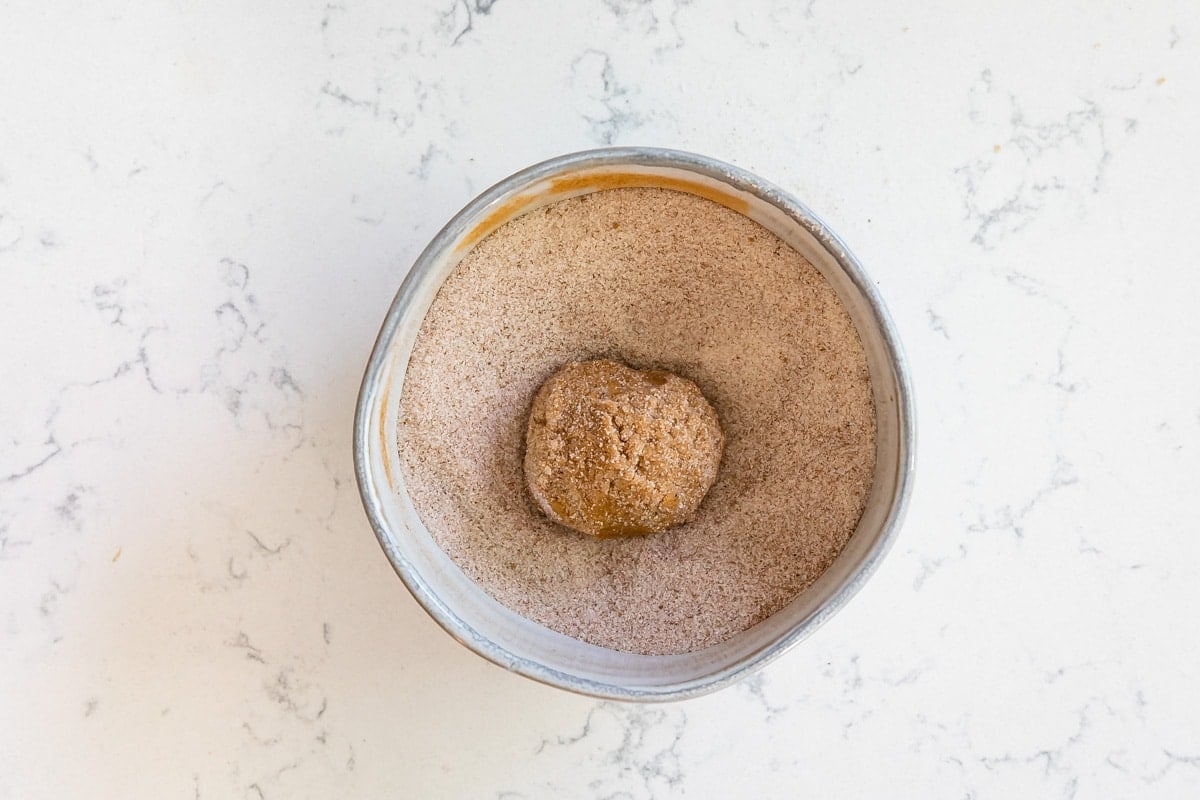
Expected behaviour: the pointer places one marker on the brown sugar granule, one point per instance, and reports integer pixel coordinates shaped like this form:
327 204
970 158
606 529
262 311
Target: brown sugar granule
655 279
615 451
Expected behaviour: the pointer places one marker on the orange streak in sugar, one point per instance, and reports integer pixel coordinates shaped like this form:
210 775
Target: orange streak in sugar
617 180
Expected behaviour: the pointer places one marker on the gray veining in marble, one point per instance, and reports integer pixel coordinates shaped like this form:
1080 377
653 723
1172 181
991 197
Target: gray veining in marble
206 208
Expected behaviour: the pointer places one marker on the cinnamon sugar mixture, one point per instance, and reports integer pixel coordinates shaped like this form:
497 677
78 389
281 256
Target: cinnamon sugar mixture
655 279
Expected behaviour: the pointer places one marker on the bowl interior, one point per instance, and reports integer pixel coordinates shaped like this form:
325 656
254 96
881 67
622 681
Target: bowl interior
505 637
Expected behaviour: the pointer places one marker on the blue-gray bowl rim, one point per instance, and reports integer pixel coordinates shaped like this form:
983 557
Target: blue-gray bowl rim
736 178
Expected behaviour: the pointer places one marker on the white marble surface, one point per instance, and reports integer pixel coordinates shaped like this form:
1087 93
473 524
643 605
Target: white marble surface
205 209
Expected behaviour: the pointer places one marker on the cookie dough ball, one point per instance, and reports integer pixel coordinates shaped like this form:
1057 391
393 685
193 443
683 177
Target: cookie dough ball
615 451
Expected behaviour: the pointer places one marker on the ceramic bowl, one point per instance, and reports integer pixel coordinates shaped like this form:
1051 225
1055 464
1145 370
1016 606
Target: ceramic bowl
500 635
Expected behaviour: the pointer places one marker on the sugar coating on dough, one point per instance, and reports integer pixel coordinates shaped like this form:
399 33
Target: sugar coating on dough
615 451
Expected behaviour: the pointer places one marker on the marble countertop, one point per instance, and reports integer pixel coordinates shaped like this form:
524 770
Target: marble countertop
205 209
